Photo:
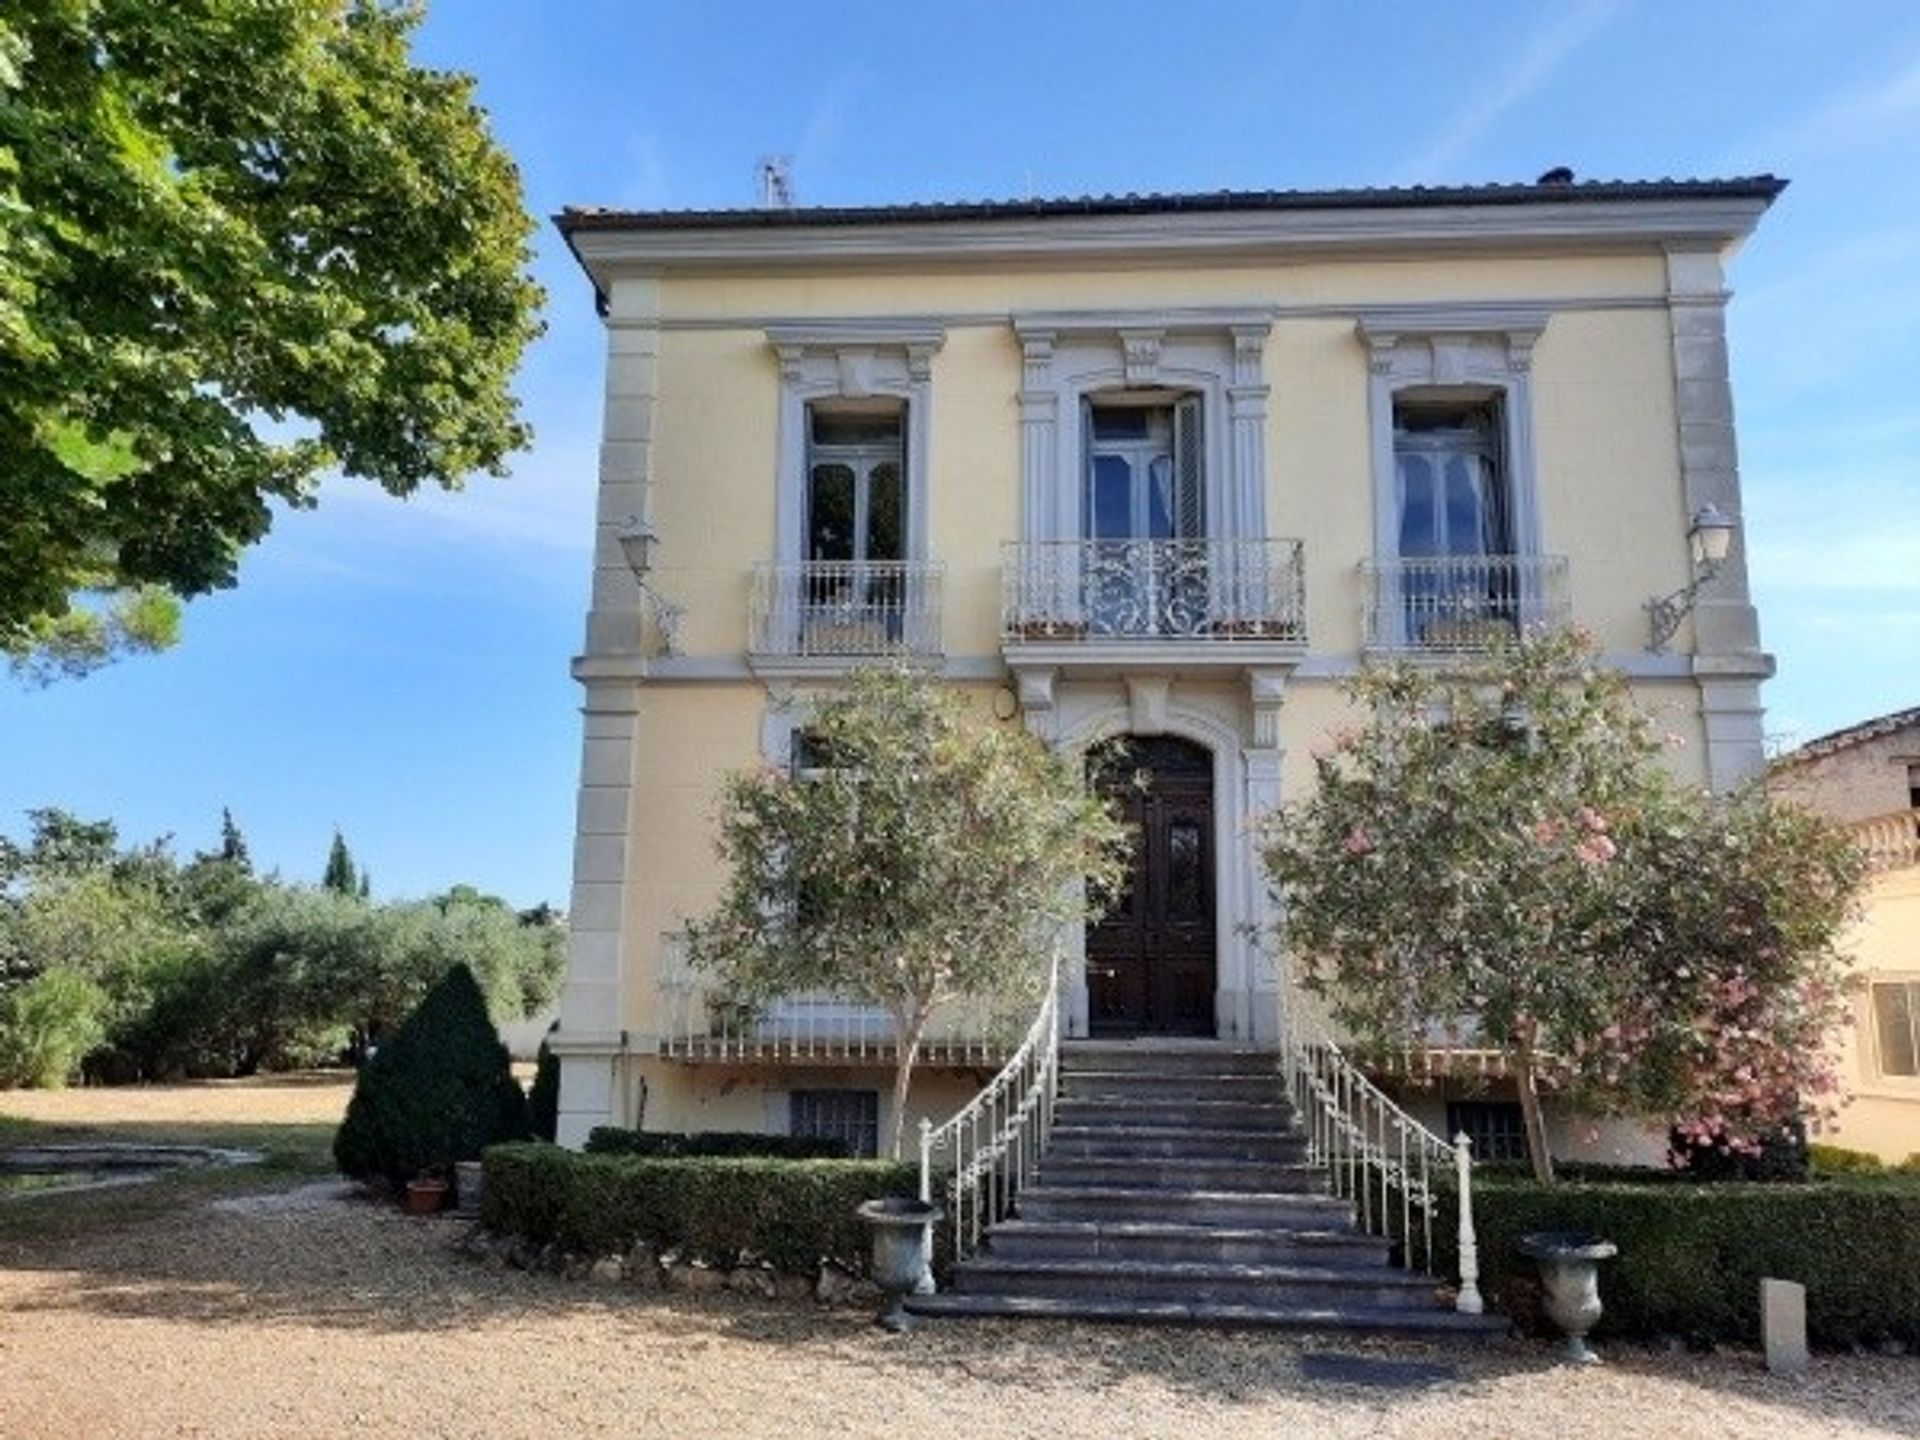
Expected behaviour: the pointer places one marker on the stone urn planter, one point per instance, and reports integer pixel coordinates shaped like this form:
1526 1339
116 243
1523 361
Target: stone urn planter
1570 1277
901 1247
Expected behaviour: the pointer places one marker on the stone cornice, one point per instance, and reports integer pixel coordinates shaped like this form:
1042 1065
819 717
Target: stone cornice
1713 222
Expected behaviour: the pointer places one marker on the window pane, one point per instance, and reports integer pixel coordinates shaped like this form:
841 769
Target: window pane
859 427
1186 871
1466 519
830 513
1896 1017
1160 498
1110 515
1119 422
849 1115
886 513
1419 530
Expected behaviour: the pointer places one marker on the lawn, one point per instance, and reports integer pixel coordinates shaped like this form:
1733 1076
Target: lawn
289 1120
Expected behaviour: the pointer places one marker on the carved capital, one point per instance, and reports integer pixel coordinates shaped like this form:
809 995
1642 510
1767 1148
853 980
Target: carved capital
1034 686
1520 350
792 361
1380 352
1267 689
1036 350
920 362
1249 351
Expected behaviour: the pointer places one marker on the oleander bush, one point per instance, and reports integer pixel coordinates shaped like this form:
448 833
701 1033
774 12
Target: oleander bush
715 1144
441 1090
790 1213
1692 1256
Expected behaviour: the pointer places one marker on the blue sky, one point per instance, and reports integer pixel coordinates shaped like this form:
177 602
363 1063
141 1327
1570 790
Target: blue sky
400 670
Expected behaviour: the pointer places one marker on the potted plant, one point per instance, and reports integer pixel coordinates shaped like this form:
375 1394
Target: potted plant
427 1193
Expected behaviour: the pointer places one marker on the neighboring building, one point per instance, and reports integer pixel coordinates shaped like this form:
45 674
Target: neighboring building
1867 777
1169 467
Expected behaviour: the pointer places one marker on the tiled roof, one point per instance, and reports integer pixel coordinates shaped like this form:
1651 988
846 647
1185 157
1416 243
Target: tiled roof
1752 187
1853 735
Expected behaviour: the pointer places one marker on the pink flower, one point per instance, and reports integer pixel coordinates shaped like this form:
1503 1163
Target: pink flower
1358 842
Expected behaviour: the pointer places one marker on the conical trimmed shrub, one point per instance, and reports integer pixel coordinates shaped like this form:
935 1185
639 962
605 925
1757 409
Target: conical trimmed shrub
440 1090
543 1100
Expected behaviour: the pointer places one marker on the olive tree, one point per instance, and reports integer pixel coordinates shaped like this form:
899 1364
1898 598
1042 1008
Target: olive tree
1497 851
931 856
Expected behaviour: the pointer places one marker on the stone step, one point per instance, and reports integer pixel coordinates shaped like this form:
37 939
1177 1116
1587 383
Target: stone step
1433 1321
1180 1173
1159 1141
1194 1282
1203 1244
1168 1057
1252 1209
1190 1114
1159 1085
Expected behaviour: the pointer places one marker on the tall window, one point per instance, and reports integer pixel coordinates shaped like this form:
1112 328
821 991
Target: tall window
1144 478
1447 469
1896 1027
1144 516
1457 575
856 481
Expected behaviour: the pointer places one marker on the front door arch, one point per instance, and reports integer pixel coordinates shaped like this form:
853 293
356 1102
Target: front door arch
1151 959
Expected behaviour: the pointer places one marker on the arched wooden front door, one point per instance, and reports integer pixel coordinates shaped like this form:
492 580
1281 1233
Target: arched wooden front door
1150 961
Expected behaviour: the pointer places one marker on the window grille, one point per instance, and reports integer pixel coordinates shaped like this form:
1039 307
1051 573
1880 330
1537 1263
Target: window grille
849 1115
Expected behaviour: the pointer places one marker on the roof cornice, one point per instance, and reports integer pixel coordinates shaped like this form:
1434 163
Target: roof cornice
1715 223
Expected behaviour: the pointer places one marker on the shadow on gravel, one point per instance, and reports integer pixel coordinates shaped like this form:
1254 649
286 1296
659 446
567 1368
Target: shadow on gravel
361 1266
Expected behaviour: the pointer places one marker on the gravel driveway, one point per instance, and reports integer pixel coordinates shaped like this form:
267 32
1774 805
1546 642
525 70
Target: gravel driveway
339 1318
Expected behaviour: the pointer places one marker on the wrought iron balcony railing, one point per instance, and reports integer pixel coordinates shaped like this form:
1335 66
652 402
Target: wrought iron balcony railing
846 608
1141 590
698 1022
1460 603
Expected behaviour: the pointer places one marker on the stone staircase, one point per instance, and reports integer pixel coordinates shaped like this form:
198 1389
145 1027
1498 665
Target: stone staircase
1175 1189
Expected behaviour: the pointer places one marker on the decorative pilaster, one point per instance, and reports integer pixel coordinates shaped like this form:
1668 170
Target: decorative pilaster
1247 421
1039 434
592 997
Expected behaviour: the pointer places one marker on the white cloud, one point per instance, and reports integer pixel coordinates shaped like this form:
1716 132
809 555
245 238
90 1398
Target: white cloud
1549 49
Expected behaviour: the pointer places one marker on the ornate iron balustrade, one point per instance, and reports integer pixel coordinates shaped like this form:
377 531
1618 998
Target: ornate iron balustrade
985 1153
846 608
700 1023
1890 841
1378 1157
1461 603
1128 590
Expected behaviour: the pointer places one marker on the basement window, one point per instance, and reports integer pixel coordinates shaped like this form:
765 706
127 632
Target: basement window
849 1115
1495 1127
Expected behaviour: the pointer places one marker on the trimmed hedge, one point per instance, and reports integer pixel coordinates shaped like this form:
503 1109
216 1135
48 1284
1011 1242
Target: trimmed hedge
714 1144
791 1213
1692 1256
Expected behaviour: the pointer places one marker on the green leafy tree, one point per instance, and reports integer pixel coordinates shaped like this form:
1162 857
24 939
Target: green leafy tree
441 1090
242 245
233 845
932 858
1497 852
46 1026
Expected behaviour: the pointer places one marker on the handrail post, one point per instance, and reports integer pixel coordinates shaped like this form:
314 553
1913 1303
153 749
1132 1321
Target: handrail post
926 1159
1469 1302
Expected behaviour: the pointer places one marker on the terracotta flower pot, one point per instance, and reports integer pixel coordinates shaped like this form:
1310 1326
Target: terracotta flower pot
426 1197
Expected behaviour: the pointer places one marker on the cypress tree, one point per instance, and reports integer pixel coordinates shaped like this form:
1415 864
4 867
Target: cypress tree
439 1090
340 876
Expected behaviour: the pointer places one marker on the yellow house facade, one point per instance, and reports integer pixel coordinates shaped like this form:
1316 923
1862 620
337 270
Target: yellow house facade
1163 467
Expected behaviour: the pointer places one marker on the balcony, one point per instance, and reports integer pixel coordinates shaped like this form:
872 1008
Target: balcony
1460 604
842 610
1158 597
699 1024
